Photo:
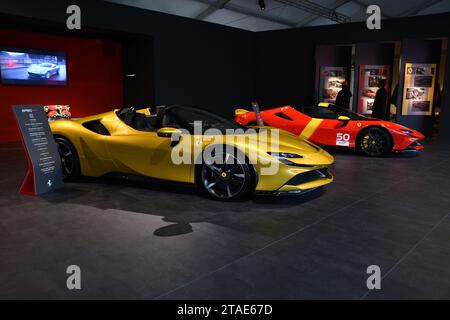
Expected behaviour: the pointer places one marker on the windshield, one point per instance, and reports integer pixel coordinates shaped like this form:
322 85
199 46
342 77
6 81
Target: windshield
330 112
46 65
184 118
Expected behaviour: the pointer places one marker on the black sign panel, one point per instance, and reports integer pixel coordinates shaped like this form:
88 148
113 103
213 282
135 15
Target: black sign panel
44 172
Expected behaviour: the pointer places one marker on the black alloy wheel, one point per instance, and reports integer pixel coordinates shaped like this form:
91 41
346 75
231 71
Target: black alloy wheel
69 159
375 142
228 180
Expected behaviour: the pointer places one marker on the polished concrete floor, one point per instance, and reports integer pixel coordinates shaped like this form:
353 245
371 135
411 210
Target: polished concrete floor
136 240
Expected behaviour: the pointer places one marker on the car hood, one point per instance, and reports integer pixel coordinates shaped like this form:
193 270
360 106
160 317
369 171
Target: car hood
310 153
38 69
398 129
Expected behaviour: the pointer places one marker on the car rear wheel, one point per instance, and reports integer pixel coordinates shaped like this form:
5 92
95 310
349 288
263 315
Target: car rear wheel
70 162
227 177
375 142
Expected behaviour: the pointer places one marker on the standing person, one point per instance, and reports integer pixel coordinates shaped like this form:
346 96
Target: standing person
344 96
379 109
394 96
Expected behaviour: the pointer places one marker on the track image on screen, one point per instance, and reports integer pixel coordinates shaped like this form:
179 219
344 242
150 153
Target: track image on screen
31 67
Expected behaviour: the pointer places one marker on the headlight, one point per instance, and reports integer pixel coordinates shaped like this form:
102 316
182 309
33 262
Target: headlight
283 157
409 132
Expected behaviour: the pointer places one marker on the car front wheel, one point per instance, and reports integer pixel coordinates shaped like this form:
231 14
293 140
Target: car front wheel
70 162
228 177
375 142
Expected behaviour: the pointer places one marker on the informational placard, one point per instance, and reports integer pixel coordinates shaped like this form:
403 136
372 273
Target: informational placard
369 77
44 164
418 89
331 81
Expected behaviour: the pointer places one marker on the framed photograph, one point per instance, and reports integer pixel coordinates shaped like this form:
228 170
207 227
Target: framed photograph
418 92
331 81
368 85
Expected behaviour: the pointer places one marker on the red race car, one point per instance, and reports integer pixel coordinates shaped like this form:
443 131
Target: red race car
331 126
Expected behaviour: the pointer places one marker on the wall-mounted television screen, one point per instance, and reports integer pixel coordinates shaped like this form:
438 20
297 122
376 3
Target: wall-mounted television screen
33 67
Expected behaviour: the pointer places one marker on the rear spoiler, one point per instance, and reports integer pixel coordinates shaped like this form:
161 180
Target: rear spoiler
238 112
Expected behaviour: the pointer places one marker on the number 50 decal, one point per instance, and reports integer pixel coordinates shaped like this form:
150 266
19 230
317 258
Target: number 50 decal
343 139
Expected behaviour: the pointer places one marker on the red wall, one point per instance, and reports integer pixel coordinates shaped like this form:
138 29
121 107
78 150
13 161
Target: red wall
94 78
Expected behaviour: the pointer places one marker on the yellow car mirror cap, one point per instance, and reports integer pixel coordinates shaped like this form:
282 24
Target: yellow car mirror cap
344 119
167 132
240 111
145 111
324 104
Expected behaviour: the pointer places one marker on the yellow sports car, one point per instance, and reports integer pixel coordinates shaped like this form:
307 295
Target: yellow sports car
167 145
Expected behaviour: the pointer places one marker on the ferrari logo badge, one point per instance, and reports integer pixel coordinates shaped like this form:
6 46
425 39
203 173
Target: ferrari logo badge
359 124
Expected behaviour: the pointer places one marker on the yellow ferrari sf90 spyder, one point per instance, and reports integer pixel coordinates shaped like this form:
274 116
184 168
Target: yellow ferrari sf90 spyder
137 142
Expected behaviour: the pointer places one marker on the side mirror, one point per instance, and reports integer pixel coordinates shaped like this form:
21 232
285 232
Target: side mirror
344 119
167 132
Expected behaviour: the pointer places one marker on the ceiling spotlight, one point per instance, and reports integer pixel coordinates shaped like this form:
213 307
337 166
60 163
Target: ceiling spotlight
262 4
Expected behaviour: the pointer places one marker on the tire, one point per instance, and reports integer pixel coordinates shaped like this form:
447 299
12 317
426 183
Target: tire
229 180
70 162
375 142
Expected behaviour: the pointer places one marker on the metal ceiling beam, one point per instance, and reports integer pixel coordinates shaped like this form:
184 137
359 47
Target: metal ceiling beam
317 10
335 6
252 13
421 6
219 4
365 6
310 18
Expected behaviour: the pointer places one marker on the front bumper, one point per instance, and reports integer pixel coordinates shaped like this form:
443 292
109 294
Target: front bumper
407 142
307 181
413 147
36 75
303 182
